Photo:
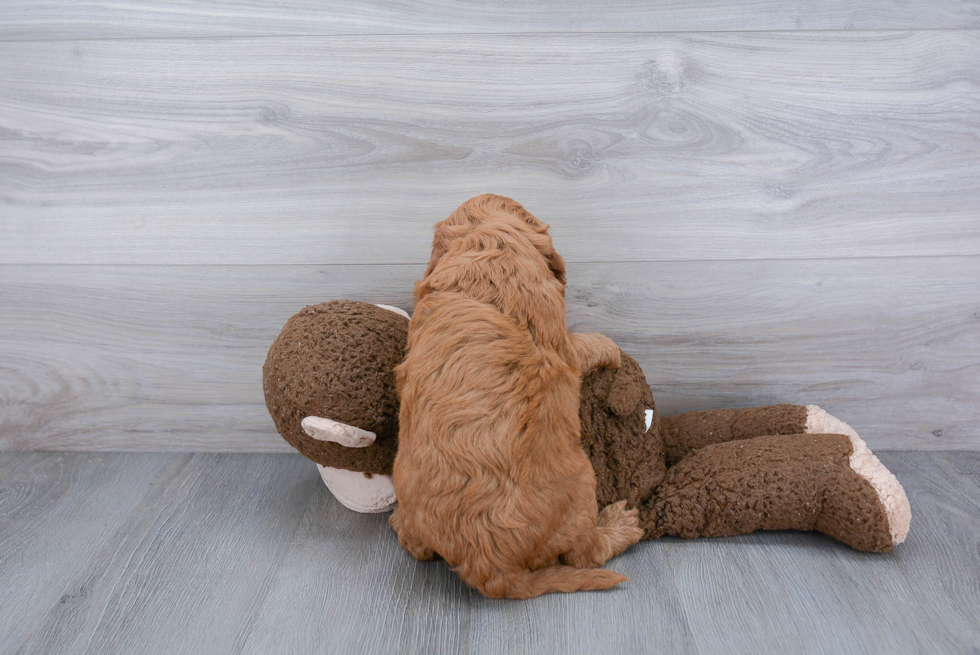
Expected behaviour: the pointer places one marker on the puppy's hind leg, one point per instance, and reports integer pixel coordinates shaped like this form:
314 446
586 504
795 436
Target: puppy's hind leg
410 542
594 350
617 529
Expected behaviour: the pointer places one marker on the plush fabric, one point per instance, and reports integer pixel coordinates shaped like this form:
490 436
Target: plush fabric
688 432
337 360
786 482
711 473
628 459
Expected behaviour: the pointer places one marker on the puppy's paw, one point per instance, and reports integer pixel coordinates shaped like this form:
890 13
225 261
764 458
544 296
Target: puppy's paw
595 351
614 357
620 525
417 550
409 542
617 514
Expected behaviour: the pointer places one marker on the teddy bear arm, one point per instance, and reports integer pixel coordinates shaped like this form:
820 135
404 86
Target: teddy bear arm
685 433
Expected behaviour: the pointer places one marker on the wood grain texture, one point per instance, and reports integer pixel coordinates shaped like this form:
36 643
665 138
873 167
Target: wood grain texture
47 19
192 559
304 150
56 513
250 554
169 358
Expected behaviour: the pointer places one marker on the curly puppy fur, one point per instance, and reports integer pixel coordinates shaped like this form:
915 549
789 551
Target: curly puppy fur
490 472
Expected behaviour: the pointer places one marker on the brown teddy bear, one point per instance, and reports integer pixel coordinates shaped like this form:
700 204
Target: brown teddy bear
330 386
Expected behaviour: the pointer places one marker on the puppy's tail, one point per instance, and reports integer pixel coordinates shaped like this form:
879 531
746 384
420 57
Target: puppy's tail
528 584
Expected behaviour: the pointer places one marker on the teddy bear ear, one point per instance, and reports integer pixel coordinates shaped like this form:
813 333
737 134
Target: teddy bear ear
625 394
323 429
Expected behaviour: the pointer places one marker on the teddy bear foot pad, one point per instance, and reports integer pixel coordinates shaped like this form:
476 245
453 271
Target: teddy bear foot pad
863 462
357 491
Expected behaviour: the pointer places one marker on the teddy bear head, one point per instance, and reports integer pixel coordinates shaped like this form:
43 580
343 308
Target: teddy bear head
336 361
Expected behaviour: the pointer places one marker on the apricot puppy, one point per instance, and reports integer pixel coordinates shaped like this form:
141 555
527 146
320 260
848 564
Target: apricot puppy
490 473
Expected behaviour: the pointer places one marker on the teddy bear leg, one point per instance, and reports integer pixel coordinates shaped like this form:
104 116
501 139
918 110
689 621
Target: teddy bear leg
863 462
685 433
776 482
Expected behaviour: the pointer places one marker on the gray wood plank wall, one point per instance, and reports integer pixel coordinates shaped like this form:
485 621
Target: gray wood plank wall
758 216
51 19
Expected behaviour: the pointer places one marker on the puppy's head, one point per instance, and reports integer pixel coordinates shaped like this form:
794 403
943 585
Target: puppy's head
489 207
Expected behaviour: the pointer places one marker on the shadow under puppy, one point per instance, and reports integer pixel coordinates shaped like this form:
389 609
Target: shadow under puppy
490 472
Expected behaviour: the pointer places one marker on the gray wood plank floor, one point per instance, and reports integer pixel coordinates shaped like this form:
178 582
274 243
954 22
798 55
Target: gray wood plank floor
170 553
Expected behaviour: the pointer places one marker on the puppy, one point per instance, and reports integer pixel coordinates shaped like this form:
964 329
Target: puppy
490 473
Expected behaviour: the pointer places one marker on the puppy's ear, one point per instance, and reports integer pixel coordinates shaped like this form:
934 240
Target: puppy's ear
542 242
438 250
445 232
458 223
556 264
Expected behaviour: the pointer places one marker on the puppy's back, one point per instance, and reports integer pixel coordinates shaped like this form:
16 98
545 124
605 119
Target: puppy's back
479 438
471 392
